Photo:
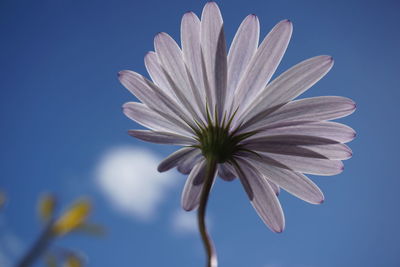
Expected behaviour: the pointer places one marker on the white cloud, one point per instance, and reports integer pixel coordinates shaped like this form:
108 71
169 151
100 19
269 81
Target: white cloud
129 178
184 222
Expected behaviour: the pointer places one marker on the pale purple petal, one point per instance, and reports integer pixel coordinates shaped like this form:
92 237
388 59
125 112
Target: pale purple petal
153 97
274 187
314 109
171 58
157 74
264 63
214 52
173 159
261 195
188 162
323 167
298 145
285 149
241 51
289 85
295 183
191 49
333 151
226 172
148 118
316 166
161 137
325 129
325 151
191 192
304 110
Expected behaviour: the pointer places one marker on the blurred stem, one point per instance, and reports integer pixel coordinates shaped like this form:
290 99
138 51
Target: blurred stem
39 247
208 244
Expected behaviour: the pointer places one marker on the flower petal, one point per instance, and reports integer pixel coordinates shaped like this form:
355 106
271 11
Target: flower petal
173 159
325 129
316 166
226 172
187 163
153 97
332 151
295 183
264 63
261 195
304 110
314 109
324 151
161 137
323 167
191 49
274 187
157 74
141 114
213 45
241 51
289 85
193 187
299 145
290 139
283 149
171 59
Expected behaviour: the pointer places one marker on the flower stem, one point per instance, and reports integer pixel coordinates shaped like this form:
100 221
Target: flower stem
208 182
39 247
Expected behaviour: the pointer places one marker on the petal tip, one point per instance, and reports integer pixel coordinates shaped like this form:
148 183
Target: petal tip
287 23
326 58
121 73
186 207
149 53
189 14
159 35
160 168
211 3
211 6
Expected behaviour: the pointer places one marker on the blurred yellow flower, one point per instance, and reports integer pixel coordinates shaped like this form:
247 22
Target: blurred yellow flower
3 199
73 261
72 218
47 206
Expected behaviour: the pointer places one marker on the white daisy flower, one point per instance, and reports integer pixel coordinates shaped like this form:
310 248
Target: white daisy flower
231 120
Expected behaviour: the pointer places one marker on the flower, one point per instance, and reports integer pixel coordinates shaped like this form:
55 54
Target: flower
222 105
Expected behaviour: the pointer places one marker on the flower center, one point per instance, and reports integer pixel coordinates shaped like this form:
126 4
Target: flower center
218 143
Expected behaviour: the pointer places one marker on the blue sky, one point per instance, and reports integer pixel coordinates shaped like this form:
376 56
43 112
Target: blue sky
62 131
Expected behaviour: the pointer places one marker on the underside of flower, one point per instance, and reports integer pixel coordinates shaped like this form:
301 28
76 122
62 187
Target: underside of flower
221 105
218 142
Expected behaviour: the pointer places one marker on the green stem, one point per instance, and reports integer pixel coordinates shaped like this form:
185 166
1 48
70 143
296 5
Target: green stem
208 182
39 247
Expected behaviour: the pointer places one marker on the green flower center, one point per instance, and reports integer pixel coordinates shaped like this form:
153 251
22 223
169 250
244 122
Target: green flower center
218 143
